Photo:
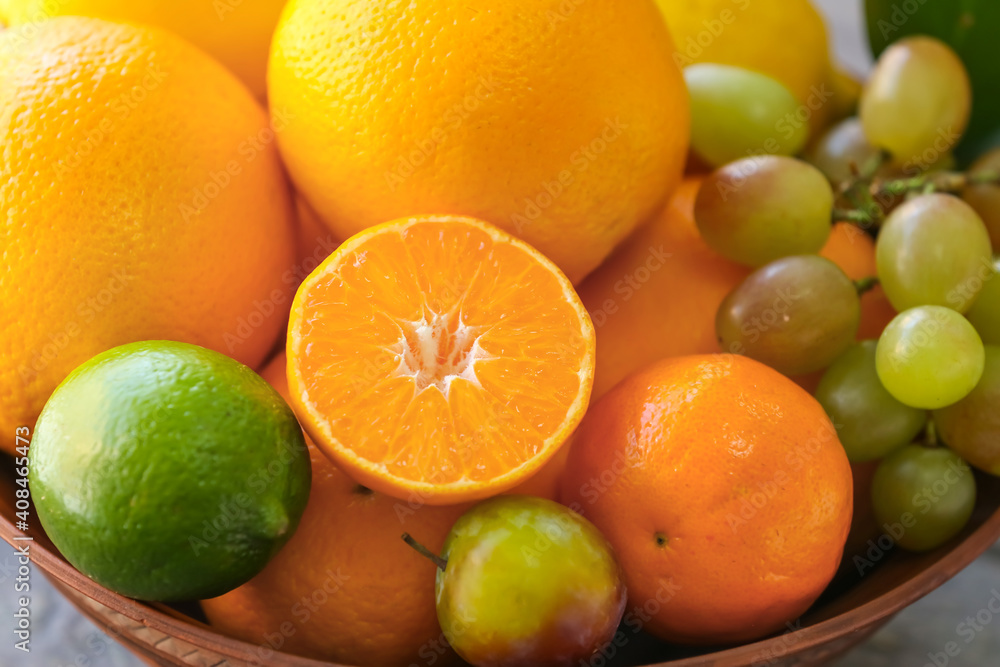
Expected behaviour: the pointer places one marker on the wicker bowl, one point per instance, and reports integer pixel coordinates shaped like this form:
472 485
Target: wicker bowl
854 606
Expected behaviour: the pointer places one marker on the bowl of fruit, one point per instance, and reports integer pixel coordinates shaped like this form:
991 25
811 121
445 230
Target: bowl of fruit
463 337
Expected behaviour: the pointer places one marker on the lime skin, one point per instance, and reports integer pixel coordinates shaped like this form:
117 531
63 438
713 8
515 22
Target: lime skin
165 471
528 582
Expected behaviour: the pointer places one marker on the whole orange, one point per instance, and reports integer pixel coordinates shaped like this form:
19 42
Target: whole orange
724 491
565 123
142 200
346 588
236 32
657 295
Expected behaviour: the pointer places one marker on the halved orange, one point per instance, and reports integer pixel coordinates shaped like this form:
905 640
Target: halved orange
439 358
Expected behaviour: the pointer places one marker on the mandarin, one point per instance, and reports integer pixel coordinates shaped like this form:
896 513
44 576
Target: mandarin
439 357
724 491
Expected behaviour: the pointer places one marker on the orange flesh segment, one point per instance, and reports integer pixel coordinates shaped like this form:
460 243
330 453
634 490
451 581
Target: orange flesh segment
439 354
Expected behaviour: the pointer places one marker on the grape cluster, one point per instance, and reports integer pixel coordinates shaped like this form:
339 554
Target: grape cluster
923 399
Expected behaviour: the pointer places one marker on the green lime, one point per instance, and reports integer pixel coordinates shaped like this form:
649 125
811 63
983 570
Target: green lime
970 27
165 471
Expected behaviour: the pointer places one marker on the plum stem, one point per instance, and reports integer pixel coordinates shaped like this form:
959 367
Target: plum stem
425 552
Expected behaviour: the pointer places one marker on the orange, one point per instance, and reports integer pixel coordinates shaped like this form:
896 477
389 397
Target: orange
236 32
439 356
657 295
141 201
724 491
565 123
346 588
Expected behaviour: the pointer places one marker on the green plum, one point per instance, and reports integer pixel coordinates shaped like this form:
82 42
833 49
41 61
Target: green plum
526 581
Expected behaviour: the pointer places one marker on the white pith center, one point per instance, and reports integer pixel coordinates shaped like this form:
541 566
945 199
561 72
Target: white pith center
437 349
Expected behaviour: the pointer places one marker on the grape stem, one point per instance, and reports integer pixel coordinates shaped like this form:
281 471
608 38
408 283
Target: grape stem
869 196
943 181
857 190
852 215
930 435
441 563
866 285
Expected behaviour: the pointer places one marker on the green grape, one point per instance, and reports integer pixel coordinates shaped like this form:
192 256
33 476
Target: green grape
971 427
917 103
985 198
929 357
933 251
985 312
870 422
736 112
843 145
757 210
797 315
923 496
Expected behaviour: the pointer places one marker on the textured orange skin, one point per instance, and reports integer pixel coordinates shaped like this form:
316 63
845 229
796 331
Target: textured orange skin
382 611
96 246
478 109
237 34
688 448
673 312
